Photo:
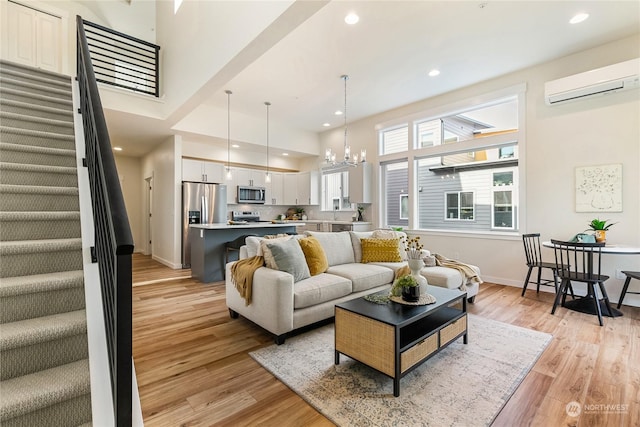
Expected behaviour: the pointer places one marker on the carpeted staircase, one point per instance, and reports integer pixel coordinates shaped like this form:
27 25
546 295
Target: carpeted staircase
44 363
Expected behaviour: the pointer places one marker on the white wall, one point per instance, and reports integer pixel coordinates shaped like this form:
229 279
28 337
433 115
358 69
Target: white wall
595 131
132 183
161 165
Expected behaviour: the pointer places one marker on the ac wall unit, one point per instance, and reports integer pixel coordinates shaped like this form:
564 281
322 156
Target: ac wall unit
601 81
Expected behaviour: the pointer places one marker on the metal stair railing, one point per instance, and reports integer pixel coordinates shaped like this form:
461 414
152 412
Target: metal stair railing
113 240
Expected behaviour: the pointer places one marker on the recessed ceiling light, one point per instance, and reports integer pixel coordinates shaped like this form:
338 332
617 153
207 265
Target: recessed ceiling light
235 146
117 148
338 113
434 73
285 154
326 125
580 17
351 18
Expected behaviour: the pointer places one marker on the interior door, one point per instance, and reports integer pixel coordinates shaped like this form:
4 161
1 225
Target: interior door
33 38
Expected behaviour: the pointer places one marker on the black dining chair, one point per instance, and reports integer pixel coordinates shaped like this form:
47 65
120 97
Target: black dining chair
630 275
534 261
580 262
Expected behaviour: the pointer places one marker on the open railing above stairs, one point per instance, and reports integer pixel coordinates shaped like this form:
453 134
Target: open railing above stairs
122 60
113 239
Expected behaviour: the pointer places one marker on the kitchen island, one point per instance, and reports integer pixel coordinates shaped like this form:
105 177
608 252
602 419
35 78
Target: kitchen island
208 244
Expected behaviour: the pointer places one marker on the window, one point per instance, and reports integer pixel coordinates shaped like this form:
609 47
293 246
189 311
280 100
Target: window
396 177
459 206
335 191
502 209
429 133
394 140
462 167
404 206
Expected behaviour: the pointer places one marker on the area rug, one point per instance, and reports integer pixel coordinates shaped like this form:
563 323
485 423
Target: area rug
463 385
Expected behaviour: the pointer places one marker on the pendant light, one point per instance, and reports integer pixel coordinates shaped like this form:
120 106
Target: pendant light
267 177
348 159
229 175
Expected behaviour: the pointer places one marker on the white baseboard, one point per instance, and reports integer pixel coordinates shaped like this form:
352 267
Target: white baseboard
166 262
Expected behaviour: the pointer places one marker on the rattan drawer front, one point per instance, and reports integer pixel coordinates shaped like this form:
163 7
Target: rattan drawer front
418 352
369 341
453 330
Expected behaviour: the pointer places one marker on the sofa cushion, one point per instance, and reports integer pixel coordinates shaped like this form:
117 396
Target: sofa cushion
266 252
380 250
318 289
337 246
363 276
314 254
286 255
392 234
443 277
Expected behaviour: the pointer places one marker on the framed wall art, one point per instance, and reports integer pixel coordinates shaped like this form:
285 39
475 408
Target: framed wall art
599 188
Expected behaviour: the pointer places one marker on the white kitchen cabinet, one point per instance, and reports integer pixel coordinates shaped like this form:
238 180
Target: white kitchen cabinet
202 171
301 188
312 226
275 189
249 177
350 226
360 184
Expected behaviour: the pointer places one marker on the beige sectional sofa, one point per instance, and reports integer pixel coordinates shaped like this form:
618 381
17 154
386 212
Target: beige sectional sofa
281 305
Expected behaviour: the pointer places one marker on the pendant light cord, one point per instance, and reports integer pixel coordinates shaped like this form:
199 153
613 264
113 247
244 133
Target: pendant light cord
345 77
228 92
267 104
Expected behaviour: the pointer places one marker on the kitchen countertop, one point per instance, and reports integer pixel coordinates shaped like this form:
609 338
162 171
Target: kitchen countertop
331 221
225 226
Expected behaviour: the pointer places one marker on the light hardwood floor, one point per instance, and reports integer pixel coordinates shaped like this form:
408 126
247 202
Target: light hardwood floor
193 367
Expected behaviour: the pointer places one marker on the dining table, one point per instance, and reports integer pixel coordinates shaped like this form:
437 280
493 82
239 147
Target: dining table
585 304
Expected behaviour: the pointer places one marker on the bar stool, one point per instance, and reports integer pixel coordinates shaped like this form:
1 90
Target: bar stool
630 275
235 245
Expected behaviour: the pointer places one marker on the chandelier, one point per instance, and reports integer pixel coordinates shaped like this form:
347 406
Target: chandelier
348 159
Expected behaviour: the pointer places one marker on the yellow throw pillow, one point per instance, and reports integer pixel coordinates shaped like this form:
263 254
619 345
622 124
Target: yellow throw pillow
314 254
380 250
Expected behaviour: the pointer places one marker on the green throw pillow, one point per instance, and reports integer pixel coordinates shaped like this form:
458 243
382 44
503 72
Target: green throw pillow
288 257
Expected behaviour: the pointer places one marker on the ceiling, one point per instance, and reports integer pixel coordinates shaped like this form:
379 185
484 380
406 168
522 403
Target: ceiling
389 53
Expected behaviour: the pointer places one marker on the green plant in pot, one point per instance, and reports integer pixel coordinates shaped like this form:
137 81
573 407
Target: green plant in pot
408 287
600 228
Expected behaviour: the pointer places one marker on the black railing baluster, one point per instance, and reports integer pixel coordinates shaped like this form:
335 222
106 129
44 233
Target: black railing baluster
129 63
113 240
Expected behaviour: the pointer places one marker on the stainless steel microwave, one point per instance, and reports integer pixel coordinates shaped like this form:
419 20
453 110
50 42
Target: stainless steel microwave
247 194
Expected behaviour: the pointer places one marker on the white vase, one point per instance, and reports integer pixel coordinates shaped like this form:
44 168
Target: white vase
415 265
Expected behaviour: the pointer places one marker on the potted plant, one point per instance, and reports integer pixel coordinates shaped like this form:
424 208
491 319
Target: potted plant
600 228
408 287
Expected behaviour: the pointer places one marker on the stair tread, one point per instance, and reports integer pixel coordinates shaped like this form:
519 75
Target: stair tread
39 216
41 282
37 119
42 75
64 89
30 95
26 167
38 133
36 149
34 107
44 388
28 332
39 246
37 189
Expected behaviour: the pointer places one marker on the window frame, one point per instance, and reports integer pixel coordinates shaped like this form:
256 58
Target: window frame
459 208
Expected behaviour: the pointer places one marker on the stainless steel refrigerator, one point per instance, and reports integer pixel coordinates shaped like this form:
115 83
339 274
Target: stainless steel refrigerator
202 203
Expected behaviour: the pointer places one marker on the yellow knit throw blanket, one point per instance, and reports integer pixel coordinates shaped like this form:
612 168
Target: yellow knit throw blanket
242 275
467 272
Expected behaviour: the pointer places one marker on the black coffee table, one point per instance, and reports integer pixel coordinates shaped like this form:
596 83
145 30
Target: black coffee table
394 338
